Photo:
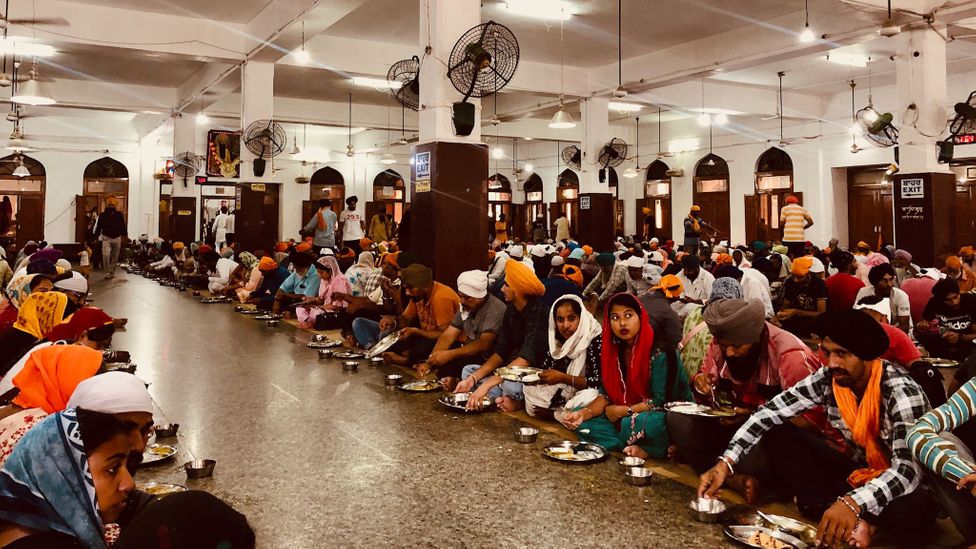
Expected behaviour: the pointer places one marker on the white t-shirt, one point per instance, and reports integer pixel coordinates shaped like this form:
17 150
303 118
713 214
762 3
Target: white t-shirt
352 228
83 259
900 305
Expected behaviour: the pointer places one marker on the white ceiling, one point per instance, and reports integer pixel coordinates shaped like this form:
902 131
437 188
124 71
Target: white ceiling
230 11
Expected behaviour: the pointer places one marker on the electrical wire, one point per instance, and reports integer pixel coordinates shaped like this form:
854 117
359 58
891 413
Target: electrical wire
115 43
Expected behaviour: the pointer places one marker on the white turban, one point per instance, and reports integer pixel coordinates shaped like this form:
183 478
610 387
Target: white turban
64 264
657 257
76 283
516 252
883 307
540 250
557 261
634 262
473 284
112 393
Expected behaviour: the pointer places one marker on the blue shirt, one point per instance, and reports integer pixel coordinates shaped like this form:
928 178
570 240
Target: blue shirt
307 285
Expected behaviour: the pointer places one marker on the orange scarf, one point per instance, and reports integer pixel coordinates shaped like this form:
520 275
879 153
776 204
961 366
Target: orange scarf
695 226
864 421
320 220
51 374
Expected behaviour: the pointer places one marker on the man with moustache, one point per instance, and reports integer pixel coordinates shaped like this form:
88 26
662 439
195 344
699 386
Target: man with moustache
874 482
748 362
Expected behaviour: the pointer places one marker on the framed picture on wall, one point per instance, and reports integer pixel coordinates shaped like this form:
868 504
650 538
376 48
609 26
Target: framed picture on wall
970 173
223 154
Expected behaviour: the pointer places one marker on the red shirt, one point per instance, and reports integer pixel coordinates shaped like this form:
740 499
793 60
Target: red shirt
841 291
919 292
901 350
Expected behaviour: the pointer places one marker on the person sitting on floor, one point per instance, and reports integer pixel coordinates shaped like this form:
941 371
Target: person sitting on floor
901 350
804 298
472 333
38 315
636 379
948 325
611 280
358 273
748 362
272 277
872 403
221 269
948 461
331 284
695 337
842 286
882 279
302 283
697 284
956 270
657 302
522 341
572 362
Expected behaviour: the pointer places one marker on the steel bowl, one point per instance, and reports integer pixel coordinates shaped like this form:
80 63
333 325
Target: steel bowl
325 354
707 510
350 366
375 362
126 367
629 462
166 430
526 435
199 468
273 323
196 293
394 380
639 476
319 338
239 308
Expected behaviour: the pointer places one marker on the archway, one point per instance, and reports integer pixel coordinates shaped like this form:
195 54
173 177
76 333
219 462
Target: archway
657 199
26 194
711 193
104 179
389 197
325 183
774 182
567 200
500 201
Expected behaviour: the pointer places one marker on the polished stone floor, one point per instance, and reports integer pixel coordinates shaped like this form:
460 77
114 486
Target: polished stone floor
315 457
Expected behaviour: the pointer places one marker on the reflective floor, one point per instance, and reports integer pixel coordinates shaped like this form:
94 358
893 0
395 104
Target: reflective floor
315 457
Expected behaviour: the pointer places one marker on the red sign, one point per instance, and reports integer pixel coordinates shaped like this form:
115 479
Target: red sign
964 139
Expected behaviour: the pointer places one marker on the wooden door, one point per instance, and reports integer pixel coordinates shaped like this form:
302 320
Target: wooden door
309 208
183 218
166 217
618 218
863 221
752 217
256 220
715 212
517 222
965 213
30 219
86 213
886 213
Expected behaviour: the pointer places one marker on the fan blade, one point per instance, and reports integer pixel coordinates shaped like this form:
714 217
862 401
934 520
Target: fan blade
506 80
966 111
49 21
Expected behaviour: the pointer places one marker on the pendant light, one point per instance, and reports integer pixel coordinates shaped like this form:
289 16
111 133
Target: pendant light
620 92
21 170
631 173
807 35
32 92
388 157
854 148
302 55
350 150
562 120
661 153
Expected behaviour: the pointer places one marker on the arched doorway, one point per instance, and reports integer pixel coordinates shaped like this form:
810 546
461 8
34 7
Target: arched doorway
389 196
325 183
774 182
618 205
105 178
26 194
500 200
535 207
711 193
657 199
567 201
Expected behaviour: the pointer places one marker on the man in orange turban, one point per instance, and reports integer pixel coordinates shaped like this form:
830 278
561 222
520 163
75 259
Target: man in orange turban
522 341
804 299
957 270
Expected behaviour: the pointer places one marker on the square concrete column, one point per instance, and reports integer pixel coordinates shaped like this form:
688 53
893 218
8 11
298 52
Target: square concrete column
183 208
595 221
257 96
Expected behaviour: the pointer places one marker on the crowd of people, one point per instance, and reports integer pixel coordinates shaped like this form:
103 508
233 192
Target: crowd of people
819 362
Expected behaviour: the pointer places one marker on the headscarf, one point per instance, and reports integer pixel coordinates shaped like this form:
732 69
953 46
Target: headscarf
605 259
953 262
575 347
780 249
19 289
671 286
724 259
40 313
267 264
62 265
336 284
196 517
587 250
303 247
112 393
635 389
49 254
725 288
473 284
365 243
177 246
75 283
83 320
41 266
247 259
51 375
281 247
522 280
48 478
578 253
903 255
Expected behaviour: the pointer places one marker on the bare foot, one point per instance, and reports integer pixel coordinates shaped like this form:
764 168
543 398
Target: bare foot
673 454
861 537
508 404
636 451
747 486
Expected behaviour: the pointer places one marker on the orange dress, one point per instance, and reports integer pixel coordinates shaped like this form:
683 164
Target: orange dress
501 231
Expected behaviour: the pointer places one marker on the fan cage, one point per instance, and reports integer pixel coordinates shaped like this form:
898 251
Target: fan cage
484 60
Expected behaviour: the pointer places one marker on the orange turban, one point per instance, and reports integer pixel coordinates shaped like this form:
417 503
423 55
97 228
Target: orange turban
953 262
51 375
802 265
572 272
267 264
522 280
565 253
365 243
303 247
588 250
671 286
347 253
281 247
723 259
392 259
966 251
792 200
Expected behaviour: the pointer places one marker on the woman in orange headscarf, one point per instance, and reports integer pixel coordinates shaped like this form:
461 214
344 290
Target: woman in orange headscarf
38 315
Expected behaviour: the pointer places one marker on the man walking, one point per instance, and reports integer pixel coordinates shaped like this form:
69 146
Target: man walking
322 227
110 229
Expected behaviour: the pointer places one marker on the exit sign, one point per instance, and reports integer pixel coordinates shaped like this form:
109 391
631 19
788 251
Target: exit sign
201 180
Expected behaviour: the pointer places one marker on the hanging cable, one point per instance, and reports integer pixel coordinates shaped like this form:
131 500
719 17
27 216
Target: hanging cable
620 63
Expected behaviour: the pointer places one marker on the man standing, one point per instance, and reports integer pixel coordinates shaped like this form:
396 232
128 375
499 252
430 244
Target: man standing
110 229
539 229
872 403
352 225
322 226
220 229
650 224
795 219
562 228
882 278
693 225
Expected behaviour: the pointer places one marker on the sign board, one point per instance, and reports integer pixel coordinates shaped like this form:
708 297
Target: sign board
584 203
422 165
258 187
912 188
201 180
184 212
388 193
422 186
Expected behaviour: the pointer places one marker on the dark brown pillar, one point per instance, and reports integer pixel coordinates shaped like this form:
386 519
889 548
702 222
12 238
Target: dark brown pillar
596 221
183 216
449 208
924 212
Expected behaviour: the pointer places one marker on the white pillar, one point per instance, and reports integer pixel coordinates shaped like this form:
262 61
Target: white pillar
595 113
184 140
257 103
920 69
449 20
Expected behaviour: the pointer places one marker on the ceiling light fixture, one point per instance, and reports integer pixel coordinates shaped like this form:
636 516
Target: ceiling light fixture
202 119
562 120
542 9
25 47
631 173
529 167
32 92
854 147
806 35
21 170
889 28
620 92
850 59
388 159
302 55
378 83
625 107
497 153
721 119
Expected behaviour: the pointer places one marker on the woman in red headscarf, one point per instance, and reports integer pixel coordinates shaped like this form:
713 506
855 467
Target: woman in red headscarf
637 379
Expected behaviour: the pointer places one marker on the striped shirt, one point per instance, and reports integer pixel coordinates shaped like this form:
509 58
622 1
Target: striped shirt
933 451
903 402
793 218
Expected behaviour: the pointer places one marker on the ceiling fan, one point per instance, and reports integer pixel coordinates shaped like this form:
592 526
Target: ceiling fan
6 21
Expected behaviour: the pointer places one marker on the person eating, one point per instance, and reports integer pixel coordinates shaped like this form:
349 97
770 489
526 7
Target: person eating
963 275
272 277
697 284
302 283
901 350
611 279
947 329
872 403
331 284
804 298
882 278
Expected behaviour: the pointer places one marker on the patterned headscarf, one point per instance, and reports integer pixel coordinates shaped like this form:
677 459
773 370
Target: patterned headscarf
248 259
19 288
49 476
725 288
40 313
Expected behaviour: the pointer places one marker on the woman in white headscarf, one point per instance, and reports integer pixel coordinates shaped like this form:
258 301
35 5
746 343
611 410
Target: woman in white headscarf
356 274
573 359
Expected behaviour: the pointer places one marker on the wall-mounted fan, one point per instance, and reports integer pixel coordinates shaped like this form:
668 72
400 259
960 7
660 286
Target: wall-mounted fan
876 127
407 73
482 62
573 157
186 165
265 139
965 119
611 155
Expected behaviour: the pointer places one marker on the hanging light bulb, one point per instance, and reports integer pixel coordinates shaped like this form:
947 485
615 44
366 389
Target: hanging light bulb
498 153
388 159
202 119
630 173
21 170
721 119
302 56
704 120
562 120
32 92
807 36
529 167
295 150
